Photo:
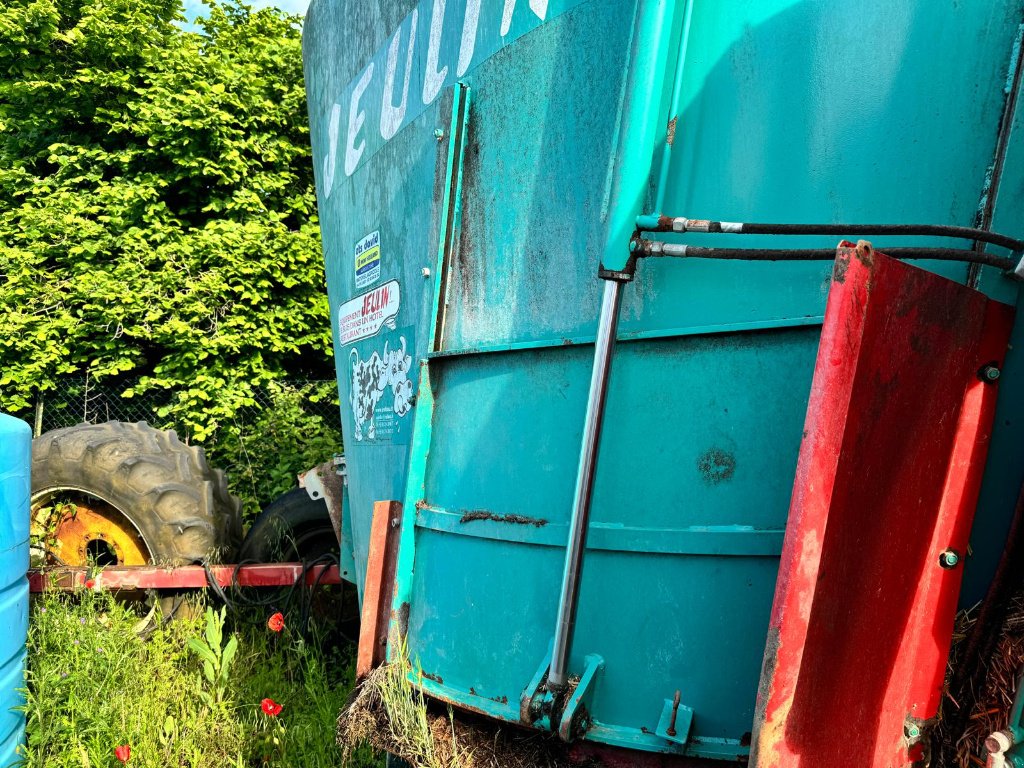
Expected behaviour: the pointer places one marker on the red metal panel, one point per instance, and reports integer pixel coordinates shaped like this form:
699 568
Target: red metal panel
180 577
379 586
890 466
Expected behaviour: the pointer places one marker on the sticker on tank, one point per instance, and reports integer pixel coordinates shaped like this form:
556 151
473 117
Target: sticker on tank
432 48
365 315
366 260
381 392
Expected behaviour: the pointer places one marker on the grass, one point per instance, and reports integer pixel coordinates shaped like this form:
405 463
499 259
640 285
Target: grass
389 710
93 684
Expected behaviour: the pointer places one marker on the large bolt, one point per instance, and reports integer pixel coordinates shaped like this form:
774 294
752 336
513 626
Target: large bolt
671 730
989 373
949 559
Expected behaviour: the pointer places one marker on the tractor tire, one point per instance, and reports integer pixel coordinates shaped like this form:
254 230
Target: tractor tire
148 495
293 527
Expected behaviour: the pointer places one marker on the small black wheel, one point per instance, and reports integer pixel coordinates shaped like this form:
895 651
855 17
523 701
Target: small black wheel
293 527
296 528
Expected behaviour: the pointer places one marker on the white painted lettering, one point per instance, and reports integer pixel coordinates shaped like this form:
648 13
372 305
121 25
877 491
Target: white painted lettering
433 79
539 8
468 45
391 117
356 118
332 149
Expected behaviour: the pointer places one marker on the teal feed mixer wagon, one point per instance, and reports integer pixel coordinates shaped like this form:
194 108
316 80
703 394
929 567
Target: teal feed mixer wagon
583 411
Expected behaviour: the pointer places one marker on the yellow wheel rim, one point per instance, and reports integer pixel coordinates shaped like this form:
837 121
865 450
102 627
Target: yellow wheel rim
84 530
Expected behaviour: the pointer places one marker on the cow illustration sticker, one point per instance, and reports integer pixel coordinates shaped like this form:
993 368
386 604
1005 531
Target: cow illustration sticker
381 393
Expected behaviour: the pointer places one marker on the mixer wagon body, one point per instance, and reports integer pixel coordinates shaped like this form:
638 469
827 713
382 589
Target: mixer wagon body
478 163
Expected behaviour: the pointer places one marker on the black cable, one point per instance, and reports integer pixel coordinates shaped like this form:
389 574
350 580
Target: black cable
307 606
286 604
651 248
211 581
682 224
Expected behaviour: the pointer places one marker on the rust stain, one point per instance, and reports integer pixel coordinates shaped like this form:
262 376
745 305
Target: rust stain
483 514
865 254
671 138
436 678
401 619
841 267
716 465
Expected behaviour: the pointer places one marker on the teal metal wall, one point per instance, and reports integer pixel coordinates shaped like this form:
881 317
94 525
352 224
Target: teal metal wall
15 459
781 110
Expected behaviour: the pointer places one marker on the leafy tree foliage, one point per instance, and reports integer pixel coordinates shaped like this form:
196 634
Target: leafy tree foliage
157 214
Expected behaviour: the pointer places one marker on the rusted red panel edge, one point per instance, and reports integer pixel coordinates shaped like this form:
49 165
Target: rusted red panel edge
379 585
179 577
890 467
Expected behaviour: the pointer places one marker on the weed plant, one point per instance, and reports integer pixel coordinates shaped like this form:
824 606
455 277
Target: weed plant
93 684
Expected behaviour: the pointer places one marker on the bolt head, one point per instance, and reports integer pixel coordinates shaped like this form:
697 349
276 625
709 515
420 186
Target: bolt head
426 272
438 134
990 373
949 559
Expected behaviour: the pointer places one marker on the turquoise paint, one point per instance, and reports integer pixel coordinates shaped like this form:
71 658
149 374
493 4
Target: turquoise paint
15 459
785 110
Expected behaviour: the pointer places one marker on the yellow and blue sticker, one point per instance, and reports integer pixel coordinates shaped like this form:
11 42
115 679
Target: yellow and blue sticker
367 260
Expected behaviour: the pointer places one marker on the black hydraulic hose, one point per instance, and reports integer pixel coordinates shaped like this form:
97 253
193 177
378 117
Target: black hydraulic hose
652 248
682 224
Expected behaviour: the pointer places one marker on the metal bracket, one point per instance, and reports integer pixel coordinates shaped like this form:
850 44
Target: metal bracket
310 480
326 483
575 719
535 698
674 723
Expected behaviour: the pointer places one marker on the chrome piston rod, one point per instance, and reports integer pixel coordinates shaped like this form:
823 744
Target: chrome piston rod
580 521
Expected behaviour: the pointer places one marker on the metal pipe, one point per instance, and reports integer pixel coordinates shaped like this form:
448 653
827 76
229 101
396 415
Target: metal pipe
990 191
638 128
653 248
580 520
673 112
654 223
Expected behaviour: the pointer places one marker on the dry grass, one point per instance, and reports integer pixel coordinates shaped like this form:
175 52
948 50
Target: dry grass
993 702
390 714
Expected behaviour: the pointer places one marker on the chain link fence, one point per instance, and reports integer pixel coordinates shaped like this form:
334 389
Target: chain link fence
83 400
288 428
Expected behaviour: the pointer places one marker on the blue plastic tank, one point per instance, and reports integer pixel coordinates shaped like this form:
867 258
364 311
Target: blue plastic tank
15 459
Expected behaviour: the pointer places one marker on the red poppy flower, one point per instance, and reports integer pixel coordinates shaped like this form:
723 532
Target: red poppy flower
89 583
276 622
123 753
270 707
